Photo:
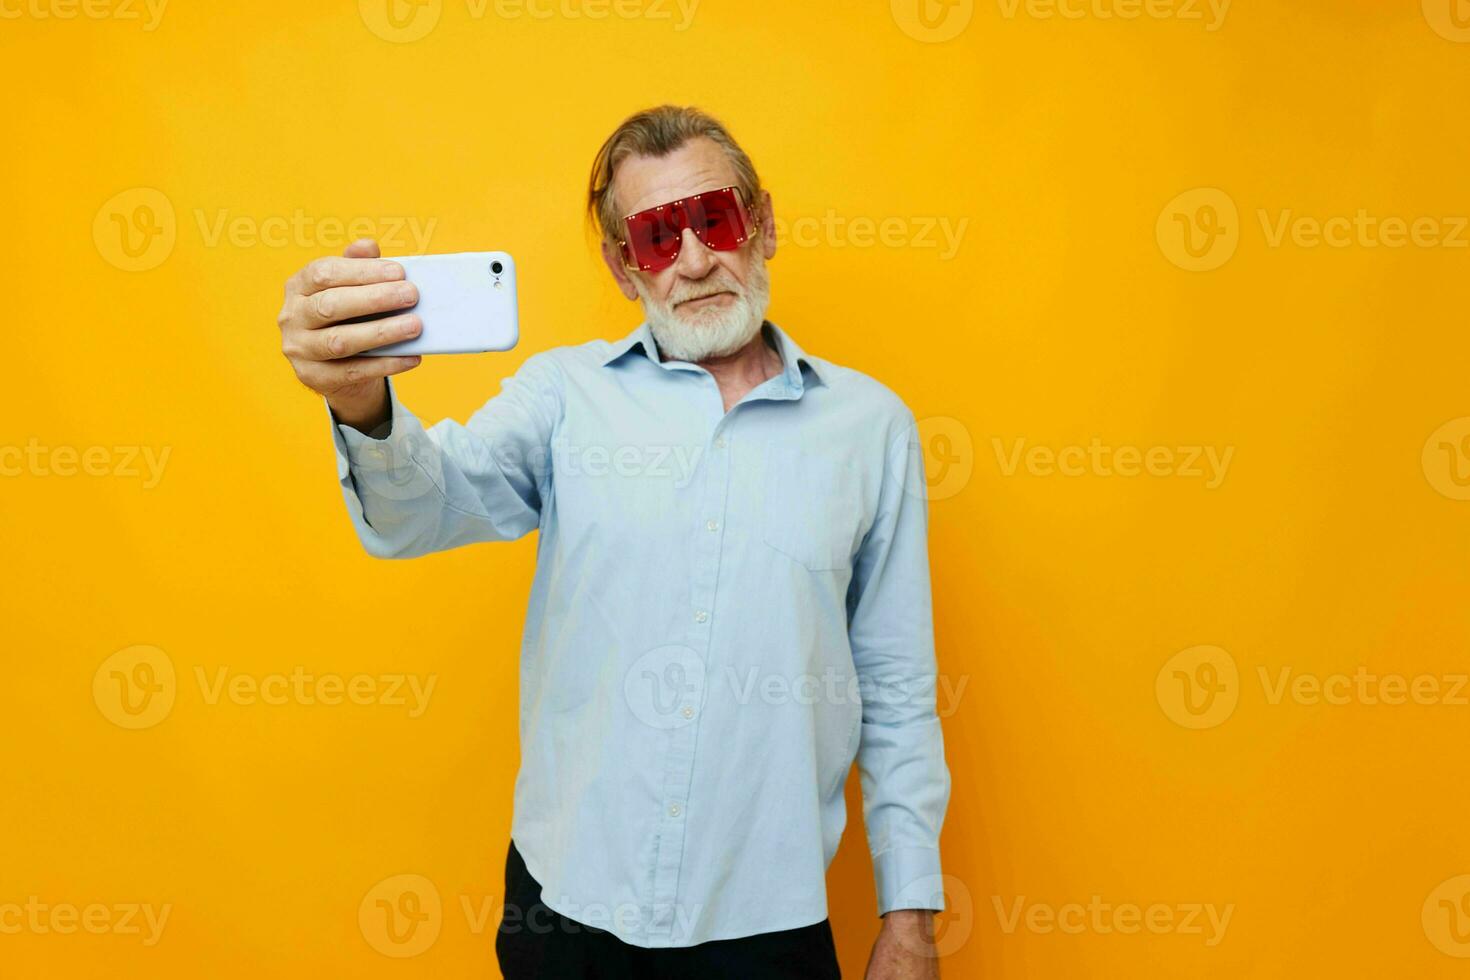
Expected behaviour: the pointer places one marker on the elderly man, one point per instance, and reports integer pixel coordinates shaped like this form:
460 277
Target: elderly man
731 599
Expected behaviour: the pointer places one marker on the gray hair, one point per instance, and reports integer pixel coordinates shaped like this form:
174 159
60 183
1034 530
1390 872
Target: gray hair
658 132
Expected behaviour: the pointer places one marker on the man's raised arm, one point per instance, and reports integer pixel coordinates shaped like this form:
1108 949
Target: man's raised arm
411 490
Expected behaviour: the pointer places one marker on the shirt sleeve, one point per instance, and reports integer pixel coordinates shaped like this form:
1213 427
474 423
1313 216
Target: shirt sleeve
905 781
411 491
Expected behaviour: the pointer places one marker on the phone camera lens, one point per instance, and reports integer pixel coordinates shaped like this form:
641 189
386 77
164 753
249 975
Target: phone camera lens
496 267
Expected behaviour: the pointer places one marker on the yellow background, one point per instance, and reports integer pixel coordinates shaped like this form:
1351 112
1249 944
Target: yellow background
1335 540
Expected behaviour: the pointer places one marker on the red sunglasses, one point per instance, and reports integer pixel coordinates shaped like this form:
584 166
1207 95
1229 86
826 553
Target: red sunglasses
717 218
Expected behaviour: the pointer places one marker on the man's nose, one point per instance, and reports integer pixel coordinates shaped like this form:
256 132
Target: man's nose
695 260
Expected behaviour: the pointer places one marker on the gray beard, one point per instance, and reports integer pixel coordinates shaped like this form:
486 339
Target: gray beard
715 333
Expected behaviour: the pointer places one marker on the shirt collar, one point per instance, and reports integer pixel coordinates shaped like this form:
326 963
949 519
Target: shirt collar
793 358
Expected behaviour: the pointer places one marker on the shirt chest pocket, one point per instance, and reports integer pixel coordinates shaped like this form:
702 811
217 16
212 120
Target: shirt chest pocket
811 507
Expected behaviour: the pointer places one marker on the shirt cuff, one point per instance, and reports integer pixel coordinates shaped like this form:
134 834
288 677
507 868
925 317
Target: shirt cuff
399 465
909 878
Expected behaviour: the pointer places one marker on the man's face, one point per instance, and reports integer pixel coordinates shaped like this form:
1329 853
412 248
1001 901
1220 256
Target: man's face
708 303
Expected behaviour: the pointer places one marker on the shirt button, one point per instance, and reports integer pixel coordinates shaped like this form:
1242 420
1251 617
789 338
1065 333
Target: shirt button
688 712
701 616
719 442
674 810
713 525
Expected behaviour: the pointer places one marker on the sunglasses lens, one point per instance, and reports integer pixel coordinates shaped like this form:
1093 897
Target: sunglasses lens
718 220
653 238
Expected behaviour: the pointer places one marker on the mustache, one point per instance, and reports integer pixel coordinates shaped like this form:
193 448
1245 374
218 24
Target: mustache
702 290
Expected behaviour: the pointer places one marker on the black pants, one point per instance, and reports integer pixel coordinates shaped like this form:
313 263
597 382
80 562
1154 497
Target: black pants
537 943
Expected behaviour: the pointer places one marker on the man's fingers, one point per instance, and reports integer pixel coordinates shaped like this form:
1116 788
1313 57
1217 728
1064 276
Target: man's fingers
348 340
327 353
345 302
332 272
328 376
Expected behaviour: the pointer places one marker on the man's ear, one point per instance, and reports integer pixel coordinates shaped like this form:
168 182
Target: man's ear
615 266
768 225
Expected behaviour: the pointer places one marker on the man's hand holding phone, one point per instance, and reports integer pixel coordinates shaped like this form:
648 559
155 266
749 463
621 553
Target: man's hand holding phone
326 353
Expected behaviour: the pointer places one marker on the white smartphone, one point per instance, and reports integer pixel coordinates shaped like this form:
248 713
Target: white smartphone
467 302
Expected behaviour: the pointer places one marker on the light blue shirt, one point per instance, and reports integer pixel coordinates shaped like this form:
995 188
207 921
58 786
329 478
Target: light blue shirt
728 607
